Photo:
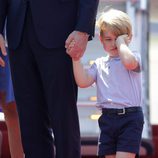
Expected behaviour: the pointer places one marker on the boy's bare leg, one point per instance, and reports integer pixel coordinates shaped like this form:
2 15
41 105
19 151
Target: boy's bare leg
121 155
110 156
125 155
14 135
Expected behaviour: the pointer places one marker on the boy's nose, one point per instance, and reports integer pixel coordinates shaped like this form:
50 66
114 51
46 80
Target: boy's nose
113 43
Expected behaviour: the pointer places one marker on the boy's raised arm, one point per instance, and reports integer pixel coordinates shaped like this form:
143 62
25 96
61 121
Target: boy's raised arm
127 57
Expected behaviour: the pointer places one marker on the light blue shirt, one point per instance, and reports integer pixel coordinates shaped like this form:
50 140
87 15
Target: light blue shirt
117 87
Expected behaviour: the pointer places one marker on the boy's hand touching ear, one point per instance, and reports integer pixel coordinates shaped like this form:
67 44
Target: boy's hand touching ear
122 38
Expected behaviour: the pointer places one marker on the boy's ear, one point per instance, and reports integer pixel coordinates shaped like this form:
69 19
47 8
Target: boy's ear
130 37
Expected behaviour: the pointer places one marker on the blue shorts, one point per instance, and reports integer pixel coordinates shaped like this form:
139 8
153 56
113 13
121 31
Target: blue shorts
5 80
120 133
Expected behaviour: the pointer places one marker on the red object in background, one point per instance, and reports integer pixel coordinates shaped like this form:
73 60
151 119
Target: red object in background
5 153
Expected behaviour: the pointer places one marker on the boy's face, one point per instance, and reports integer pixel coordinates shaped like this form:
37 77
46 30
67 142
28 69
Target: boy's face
108 40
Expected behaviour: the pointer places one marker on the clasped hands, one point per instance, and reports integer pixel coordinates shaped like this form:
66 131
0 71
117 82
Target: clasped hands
76 44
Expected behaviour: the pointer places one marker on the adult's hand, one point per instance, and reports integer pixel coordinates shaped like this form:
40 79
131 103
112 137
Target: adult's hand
3 50
76 44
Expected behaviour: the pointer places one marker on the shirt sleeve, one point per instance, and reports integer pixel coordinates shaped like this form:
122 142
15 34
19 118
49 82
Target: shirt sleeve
86 16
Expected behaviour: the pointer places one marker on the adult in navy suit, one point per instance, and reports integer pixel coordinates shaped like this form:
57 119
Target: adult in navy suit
39 33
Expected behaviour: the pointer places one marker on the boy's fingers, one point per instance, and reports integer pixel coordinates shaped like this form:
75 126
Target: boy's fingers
126 38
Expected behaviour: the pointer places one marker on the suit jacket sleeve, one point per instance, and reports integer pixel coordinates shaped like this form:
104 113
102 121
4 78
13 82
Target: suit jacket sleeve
87 16
3 13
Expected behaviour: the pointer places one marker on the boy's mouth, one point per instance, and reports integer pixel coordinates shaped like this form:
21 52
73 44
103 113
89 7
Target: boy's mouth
114 49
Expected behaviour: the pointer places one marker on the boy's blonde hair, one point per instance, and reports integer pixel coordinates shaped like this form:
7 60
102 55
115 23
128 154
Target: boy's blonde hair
116 22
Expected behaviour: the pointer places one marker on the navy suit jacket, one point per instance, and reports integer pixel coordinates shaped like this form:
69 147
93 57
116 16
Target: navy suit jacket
53 20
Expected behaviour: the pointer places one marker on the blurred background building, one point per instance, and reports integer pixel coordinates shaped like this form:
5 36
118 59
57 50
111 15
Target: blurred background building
153 60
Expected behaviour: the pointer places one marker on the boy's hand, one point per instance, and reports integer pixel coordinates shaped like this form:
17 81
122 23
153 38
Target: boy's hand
3 50
123 38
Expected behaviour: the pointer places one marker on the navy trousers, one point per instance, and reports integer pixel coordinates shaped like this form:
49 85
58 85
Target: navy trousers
46 94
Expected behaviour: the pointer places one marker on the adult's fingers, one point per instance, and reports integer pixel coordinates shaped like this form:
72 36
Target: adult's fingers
69 39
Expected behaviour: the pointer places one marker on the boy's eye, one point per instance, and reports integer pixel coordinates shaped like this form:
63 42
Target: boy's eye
107 39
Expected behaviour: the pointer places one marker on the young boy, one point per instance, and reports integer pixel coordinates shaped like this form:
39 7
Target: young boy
118 80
